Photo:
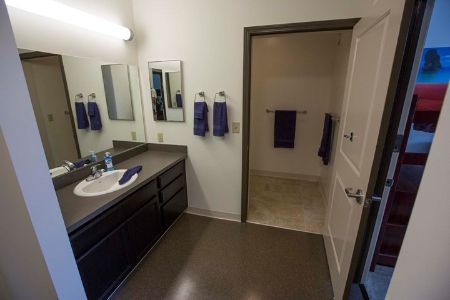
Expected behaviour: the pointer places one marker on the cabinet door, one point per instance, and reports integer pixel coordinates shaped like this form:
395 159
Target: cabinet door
174 207
105 265
143 230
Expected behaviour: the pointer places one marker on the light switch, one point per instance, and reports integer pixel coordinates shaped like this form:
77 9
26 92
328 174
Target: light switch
160 137
236 127
50 117
133 135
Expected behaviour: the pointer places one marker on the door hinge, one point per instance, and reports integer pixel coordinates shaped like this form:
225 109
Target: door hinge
398 142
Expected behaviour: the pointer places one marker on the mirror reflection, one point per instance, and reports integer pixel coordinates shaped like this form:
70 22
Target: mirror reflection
166 90
116 79
83 108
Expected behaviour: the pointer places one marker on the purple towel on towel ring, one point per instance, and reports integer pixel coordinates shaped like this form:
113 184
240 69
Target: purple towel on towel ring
94 116
200 118
220 122
82 119
284 131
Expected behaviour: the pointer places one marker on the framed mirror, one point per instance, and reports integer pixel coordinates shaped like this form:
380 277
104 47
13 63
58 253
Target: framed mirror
166 90
116 80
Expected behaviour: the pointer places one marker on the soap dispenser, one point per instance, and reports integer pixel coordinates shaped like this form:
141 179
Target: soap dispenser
108 162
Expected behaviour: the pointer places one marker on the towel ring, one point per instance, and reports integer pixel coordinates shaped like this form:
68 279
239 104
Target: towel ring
221 94
91 97
201 94
78 96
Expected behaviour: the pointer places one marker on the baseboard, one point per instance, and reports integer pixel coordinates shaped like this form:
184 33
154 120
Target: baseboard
213 214
311 178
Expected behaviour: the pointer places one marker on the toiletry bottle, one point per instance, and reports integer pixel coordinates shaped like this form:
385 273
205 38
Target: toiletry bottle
108 162
93 156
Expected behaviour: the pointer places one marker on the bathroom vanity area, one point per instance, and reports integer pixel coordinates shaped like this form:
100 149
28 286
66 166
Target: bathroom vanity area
111 233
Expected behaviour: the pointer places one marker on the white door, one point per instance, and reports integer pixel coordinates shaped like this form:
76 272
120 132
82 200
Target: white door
372 51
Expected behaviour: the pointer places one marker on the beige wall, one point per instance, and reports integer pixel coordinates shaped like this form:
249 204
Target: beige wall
423 267
208 37
292 72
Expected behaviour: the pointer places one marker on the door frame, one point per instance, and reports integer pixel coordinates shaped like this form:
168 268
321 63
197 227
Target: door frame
249 33
38 54
415 14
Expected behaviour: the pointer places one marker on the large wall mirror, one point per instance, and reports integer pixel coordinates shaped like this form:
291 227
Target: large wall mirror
82 107
166 90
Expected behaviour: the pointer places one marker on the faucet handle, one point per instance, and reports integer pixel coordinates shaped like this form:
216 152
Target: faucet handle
94 168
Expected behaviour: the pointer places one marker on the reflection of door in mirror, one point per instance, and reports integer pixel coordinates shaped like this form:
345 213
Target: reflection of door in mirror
118 92
173 87
158 95
47 88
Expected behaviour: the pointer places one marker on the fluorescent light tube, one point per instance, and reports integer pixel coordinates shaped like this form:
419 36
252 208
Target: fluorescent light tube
61 12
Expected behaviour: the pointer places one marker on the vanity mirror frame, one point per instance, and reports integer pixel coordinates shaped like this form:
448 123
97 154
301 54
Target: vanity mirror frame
164 92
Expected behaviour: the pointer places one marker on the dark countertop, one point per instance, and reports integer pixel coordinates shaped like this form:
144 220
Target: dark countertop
77 211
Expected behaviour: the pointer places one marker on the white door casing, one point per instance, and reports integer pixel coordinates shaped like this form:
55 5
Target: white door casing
372 52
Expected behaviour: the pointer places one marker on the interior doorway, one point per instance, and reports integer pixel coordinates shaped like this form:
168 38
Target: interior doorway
301 73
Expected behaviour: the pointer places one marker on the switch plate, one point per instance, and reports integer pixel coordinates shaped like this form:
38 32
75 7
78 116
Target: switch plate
236 127
133 135
50 117
160 137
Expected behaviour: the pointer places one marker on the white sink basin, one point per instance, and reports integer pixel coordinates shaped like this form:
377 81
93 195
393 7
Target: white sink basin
107 183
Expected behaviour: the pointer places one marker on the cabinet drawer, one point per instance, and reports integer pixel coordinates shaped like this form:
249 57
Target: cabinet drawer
104 266
171 174
172 189
174 207
90 234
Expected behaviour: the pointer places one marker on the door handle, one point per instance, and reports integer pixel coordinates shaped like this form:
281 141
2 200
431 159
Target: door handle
349 136
358 195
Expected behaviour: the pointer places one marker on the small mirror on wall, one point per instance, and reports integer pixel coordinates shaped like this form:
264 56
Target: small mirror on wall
116 80
166 90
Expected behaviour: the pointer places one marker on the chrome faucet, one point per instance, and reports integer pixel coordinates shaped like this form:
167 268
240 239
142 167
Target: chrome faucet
95 173
69 166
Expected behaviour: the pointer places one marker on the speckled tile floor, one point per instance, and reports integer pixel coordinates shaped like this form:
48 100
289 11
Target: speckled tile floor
286 203
205 258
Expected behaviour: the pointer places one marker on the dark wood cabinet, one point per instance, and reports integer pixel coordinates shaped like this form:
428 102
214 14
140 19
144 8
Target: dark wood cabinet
104 265
109 247
143 230
174 208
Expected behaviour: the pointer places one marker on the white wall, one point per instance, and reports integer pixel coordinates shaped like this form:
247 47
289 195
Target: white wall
85 76
437 35
339 76
423 267
291 72
208 37
36 259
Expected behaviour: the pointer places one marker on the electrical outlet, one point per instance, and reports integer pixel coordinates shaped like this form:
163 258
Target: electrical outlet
236 127
133 135
160 137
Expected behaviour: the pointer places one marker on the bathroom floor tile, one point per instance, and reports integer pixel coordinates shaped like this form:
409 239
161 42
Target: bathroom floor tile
287 203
